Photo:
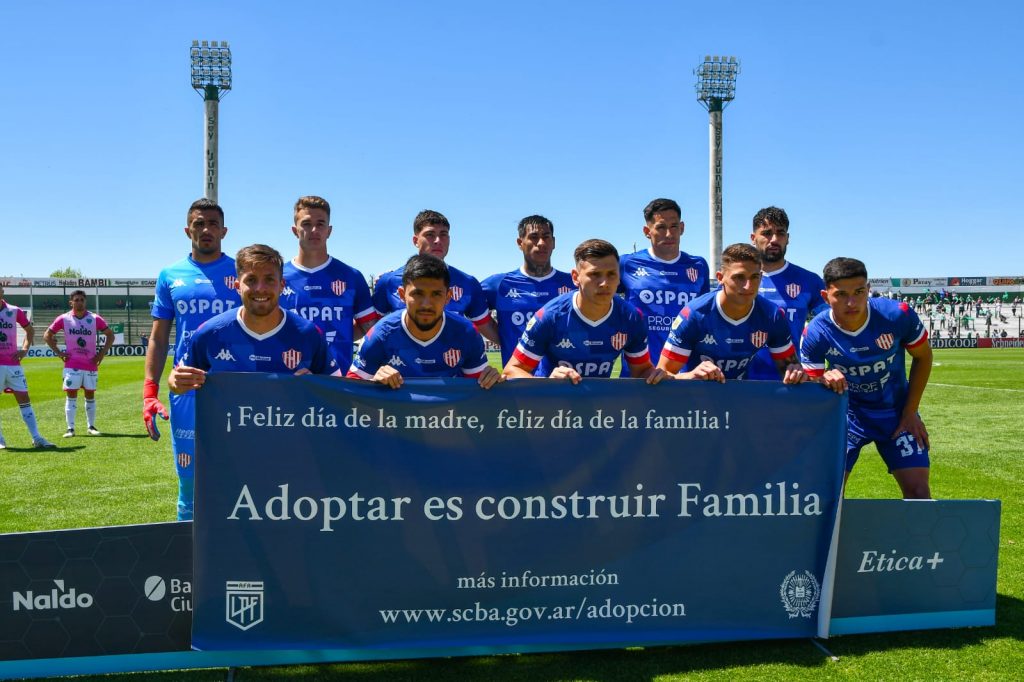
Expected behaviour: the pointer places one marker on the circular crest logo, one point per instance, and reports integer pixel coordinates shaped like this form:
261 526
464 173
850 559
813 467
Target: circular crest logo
799 593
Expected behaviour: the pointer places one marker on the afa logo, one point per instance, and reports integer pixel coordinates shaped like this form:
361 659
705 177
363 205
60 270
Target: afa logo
531 323
799 593
676 322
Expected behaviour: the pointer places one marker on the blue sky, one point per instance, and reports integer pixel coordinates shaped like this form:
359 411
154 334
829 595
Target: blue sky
890 131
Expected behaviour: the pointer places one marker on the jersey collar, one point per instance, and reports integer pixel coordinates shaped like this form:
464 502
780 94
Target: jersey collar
728 319
260 337
405 328
538 279
864 326
312 270
650 252
579 313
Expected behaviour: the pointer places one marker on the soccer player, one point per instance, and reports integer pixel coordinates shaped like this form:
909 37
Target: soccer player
260 336
188 293
322 289
515 296
12 375
661 279
581 333
81 357
431 235
858 346
716 335
423 339
786 284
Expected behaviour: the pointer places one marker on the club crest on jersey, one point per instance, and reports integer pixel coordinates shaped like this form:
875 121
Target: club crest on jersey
692 274
564 290
456 293
291 358
884 341
759 338
184 459
619 340
793 289
338 287
452 357
229 281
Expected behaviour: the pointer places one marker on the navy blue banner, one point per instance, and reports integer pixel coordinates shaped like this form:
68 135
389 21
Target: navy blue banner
442 518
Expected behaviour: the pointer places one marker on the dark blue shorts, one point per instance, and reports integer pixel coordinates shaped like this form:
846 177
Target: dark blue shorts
901 452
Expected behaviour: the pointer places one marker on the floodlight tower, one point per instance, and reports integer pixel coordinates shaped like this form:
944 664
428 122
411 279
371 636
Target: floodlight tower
211 78
716 87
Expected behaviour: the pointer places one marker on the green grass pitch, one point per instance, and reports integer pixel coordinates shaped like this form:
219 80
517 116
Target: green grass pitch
973 407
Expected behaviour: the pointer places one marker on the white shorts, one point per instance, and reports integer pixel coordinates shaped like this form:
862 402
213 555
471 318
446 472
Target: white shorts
13 377
75 379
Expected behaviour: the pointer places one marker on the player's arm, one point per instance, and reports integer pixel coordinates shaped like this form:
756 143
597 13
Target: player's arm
478 367
370 364
108 343
50 339
920 370
636 353
479 312
488 329
676 353
812 359
30 335
156 356
188 377
367 315
648 372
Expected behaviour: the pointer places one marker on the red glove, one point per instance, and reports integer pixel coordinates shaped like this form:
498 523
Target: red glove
151 407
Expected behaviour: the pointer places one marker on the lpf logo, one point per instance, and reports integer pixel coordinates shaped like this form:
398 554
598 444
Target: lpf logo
244 603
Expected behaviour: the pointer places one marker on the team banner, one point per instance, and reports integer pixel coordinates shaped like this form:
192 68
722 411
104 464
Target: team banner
441 518
911 565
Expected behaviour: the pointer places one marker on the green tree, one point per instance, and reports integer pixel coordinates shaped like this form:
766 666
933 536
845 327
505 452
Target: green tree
67 273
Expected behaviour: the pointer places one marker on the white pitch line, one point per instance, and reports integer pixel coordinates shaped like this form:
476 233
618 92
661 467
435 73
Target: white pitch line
978 388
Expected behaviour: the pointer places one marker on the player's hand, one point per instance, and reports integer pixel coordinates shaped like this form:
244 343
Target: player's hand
656 375
705 371
912 424
835 380
21 354
96 359
301 371
183 379
152 408
794 374
389 376
566 373
489 377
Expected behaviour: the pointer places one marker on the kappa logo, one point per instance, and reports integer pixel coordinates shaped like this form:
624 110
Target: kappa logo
513 293
833 351
291 358
338 287
225 355
759 338
692 274
799 593
396 361
793 289
709 340
243 603
452 357
456 293
564 343
287 291
619 340
177 283
230 281
641 272
884 341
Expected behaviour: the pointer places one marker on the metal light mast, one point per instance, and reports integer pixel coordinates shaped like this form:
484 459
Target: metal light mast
211 78
716 87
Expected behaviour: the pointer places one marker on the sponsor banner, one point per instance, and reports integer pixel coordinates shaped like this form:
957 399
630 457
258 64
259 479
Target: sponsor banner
923 281
95 591
117 351
441 518
1005 281
883 282
911 565
955 343
967 281
1008 342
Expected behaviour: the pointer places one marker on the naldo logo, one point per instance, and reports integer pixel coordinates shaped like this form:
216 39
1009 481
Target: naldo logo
57 598
156 588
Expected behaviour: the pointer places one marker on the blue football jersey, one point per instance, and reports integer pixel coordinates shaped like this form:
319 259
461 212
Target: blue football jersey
798 292
224 344
191 293
660 288
456 350
467 296
516 296
332 296
872 358
560 335
702 331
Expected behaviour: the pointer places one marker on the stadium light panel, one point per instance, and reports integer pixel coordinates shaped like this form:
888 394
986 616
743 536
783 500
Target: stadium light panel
211 67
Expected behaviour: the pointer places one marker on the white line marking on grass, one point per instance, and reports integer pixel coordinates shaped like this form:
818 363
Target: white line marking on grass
978 388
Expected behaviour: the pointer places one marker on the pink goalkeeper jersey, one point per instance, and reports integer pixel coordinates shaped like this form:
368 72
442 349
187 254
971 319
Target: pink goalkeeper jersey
80 336
11 317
